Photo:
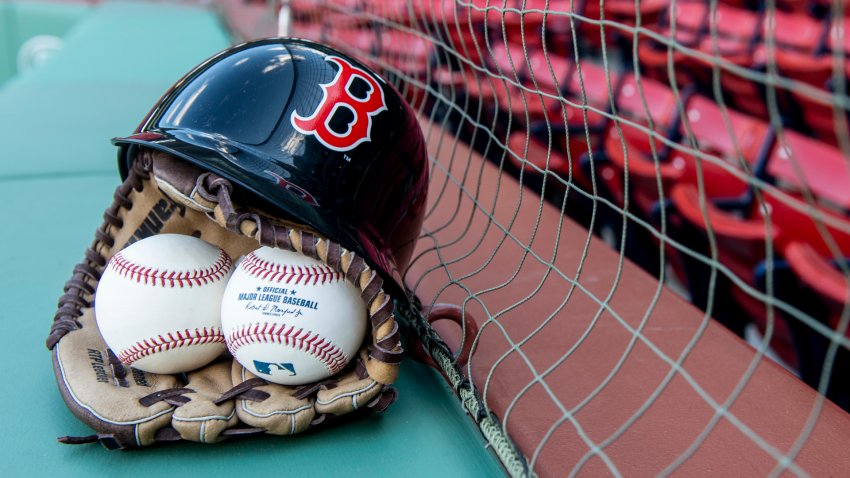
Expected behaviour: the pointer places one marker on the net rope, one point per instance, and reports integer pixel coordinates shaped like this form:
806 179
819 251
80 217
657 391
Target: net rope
538 88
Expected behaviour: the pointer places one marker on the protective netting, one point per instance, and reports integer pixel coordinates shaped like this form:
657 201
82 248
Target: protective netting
705 141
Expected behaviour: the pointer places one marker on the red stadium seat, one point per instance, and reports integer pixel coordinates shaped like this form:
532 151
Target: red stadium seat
802 56
624 10
595 82
817 113
308 28
526 101
706 121
660 107
817 273
521 101
740 240
741 236
460 25
815 70
804 6
392 10
478 86
820 290
404 51
448 12
643 172
738 36
799 162
656 60
795 32
798 223
741 247
317 8
536 154
675 167
654 56
551 72
824 293
736 43
529 27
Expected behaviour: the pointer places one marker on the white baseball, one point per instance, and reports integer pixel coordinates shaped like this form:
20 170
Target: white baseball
158 303
291 319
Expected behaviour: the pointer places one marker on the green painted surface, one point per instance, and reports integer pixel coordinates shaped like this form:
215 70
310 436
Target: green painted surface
57 175
21 21
115 64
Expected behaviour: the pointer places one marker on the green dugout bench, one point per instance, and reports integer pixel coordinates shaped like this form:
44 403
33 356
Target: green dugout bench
57 175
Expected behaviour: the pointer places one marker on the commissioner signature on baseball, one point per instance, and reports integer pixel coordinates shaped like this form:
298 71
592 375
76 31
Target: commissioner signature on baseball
274 309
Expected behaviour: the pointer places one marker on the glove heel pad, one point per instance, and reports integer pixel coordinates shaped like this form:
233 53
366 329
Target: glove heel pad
107 401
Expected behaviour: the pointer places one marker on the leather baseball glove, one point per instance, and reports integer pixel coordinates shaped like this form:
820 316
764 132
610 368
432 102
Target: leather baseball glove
130 408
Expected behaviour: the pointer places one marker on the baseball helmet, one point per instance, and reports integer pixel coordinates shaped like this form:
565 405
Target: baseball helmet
309 131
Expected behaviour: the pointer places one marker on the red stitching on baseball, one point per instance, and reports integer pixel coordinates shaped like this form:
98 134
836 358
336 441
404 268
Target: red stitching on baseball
171 340
326 351
267 270
165 278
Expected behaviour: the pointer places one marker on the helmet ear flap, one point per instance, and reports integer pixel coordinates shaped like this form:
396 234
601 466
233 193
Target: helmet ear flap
126 152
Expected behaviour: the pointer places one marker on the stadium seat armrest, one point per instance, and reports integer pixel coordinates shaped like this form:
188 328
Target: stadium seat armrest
685 199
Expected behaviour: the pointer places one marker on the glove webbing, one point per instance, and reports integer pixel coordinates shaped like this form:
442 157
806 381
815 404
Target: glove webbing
79 289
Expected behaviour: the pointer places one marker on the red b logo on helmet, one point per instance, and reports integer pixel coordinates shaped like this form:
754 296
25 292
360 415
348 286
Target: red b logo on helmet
336 95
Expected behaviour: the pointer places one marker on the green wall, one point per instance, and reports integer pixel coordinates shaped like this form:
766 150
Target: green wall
21 21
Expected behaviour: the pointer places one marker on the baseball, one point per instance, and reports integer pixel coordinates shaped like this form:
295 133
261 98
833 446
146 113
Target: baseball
291 319
158 303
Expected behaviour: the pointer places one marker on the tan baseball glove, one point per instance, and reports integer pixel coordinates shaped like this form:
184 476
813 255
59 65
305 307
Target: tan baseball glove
130 408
